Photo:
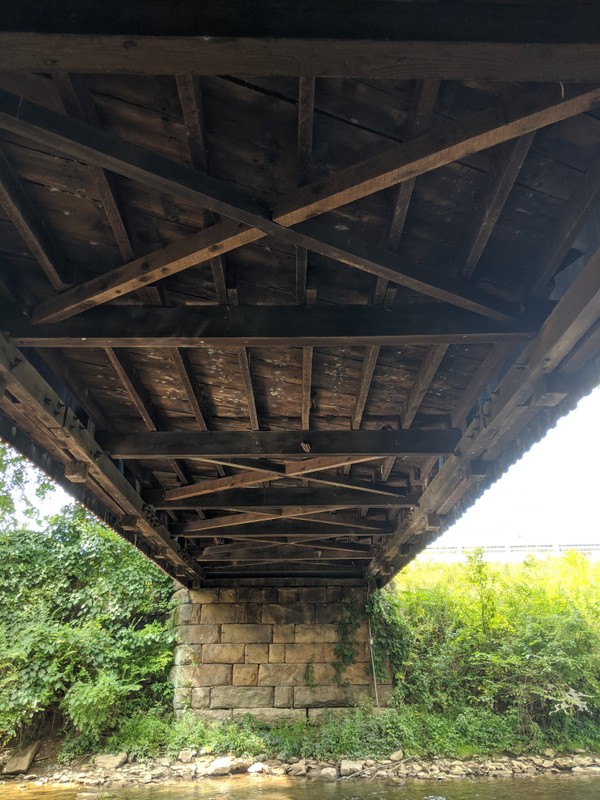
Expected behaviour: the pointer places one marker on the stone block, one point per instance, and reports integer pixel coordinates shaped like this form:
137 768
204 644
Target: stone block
362 633
227 595
257 653
319 714
282 675
283 697
182 613
182 698
241 697
223 653
312 594
316 633
328 613
276 653
354 674
246 634
203 595
333 594
212 715
198 634
272 716
186 654
303 653
287 594
256 594
200 697
222 612
330 696
245 674
284 633
253 612
294 612
181 596
212 675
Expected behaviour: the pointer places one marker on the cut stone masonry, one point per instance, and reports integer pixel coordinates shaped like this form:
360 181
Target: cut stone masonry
269 652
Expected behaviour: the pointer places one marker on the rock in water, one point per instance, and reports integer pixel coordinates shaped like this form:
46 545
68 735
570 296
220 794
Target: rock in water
20 763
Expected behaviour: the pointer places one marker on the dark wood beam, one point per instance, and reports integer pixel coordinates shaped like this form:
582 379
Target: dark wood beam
283 552
268 326
424 377
248 499
424 100
244 361
189 88
506 121
188 381
134 387
494 360
23 215
503 41
503 177
78 103
247 519
584 201
277 444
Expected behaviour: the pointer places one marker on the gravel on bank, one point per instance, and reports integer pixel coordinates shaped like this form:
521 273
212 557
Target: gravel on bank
114 771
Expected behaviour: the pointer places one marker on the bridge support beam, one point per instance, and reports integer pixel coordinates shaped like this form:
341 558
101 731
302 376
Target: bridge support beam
273 651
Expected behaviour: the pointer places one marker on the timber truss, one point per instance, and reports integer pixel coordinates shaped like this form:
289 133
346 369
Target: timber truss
280 295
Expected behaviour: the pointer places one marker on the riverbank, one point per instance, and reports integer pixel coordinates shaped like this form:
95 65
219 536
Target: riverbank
108 772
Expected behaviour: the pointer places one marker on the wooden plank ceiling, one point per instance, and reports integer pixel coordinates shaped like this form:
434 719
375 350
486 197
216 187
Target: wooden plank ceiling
280 295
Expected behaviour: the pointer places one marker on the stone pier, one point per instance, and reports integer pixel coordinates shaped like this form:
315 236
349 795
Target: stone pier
274 652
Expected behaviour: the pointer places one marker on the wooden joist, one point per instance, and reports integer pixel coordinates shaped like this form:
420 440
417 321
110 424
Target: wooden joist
276 444
268 326
512 41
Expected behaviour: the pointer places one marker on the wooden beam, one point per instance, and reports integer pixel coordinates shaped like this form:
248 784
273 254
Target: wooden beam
189 88
188 380
134 387
78 103
306 113
282 552
503 122
31 227
364 383
496 357
247 499
268 326
424 377
51 414
501 182
506 42
277 444
244 361
584 201
424 100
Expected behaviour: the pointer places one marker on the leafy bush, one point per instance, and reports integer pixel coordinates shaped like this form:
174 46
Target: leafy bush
84 627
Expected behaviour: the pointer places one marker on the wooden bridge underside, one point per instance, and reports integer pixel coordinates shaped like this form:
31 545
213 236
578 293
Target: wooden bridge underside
281 295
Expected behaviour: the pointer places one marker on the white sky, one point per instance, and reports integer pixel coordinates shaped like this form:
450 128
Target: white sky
547 497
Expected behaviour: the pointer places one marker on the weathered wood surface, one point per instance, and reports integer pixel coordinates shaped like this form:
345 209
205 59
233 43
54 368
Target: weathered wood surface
218 373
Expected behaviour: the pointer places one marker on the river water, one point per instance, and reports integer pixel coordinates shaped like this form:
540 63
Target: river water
258 788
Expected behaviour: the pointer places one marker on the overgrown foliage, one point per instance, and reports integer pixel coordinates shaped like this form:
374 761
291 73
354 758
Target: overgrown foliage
518 643
85 629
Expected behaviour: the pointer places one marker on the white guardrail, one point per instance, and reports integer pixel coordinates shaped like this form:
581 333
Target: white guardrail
509 552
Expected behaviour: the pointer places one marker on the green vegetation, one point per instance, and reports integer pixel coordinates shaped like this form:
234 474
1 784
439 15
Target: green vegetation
485 658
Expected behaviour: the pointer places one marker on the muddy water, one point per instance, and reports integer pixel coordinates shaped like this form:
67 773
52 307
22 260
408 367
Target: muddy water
258 788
